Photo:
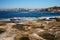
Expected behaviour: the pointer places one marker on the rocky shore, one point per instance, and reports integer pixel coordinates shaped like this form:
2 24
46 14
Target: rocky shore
32 30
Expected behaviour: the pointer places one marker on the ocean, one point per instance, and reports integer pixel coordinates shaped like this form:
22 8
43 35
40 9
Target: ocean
28 15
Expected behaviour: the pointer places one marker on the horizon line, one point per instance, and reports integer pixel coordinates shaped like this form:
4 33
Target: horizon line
29 8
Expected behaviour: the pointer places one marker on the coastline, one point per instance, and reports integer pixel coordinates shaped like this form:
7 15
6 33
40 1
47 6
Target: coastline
29 18
35 29
15 28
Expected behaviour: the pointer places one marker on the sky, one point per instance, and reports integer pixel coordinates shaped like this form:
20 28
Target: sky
28 3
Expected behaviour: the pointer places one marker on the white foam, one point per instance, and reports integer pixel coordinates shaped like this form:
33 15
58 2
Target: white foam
29 18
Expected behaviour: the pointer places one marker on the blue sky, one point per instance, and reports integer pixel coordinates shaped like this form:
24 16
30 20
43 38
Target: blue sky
28 3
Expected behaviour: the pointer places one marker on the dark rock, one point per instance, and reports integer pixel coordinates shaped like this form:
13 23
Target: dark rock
24 38
2 30
47 36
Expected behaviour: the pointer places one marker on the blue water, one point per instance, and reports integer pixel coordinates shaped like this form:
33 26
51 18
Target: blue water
26 14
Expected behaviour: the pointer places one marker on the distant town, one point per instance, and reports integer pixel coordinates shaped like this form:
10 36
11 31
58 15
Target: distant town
50 9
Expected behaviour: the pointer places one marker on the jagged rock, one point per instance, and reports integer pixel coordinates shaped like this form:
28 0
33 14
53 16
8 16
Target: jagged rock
22 36
57 35
1 24
47 36
19 26
57 19
2 30
27 35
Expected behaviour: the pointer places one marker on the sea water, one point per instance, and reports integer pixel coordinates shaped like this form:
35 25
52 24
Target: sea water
27 16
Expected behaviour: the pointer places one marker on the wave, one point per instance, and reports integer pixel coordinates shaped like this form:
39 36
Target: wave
28 18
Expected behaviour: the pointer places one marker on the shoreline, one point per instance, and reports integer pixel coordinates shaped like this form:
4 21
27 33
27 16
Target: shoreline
29 18
34 29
